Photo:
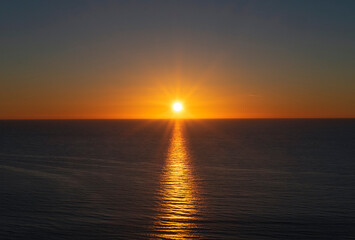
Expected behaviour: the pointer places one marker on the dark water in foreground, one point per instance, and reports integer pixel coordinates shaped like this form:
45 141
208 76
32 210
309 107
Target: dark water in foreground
206 179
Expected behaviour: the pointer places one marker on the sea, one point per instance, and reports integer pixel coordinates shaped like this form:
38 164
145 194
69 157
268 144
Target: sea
177 179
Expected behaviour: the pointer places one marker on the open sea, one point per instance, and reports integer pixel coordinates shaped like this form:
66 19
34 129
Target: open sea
185 179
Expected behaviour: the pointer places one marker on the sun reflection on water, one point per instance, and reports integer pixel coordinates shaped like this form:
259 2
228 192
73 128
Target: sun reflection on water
178 193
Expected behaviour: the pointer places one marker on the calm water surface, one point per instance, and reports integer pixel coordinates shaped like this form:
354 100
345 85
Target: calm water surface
192 179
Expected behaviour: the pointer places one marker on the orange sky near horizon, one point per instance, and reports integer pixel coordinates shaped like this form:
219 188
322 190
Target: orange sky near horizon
208 90
200 100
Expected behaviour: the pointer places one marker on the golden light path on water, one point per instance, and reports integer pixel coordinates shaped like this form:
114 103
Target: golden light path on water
178 194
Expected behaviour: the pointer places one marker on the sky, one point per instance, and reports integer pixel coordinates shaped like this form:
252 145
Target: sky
133 59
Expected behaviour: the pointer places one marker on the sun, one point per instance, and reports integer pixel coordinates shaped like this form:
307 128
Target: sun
177 107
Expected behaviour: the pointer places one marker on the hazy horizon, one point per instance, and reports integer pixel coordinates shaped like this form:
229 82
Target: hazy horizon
177 119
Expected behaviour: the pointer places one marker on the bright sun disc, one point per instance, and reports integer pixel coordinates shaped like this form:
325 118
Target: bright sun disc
177 107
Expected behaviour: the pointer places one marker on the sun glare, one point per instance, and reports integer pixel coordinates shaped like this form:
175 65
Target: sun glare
177 107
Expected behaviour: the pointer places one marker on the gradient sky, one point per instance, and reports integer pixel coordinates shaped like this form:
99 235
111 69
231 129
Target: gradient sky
131 59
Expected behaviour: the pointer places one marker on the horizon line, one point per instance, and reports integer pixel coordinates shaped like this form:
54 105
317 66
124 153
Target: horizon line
276 118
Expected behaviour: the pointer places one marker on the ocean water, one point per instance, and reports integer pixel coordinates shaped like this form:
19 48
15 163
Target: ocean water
187 179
